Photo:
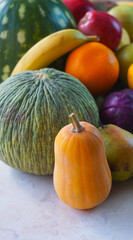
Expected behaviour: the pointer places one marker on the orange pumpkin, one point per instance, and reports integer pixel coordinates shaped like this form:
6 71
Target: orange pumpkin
82 177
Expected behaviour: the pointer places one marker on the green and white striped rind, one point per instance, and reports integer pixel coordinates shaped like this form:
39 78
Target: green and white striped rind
34 106
23 23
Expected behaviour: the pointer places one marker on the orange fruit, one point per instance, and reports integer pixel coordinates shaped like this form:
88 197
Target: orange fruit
130 76
95 65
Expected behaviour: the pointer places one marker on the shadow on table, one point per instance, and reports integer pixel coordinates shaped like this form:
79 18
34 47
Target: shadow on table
38 186
120 195
42 186
19 175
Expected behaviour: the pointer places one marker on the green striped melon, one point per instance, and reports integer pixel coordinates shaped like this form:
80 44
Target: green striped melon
34 106
25 22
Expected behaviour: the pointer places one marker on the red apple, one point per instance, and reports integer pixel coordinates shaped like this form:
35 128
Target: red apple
79 7
107 27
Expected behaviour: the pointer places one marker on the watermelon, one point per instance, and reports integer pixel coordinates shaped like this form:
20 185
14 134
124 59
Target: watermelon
25 22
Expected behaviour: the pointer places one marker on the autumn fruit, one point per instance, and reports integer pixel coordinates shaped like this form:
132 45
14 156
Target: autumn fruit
31 103
119 151
53 47
102 24
130 76
125 58
124 14
95 65
125 39
25 22
82 177
79 7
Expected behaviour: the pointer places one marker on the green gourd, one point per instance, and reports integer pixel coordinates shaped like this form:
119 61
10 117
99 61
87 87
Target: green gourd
34 106
23 23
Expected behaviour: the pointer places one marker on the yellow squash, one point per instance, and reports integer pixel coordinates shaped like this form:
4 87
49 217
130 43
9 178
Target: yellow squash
82 177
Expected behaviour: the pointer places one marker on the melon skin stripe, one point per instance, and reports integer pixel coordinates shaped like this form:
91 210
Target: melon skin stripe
31 104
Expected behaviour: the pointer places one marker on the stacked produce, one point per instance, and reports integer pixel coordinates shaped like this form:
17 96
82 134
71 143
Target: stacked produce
23 23
76 123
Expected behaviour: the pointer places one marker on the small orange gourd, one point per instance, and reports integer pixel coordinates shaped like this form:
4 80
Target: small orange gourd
82 177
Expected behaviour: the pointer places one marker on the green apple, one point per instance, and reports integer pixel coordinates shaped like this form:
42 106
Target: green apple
125 58
125 39
124 14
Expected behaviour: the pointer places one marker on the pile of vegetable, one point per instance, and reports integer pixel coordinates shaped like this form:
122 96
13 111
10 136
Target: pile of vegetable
74 123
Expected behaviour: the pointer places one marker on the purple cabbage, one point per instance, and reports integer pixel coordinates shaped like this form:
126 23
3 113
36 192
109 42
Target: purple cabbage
117 109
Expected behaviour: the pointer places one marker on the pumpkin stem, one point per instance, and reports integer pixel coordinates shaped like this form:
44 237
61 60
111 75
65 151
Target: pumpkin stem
77 127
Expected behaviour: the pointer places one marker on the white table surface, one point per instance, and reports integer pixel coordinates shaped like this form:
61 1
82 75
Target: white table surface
31 210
